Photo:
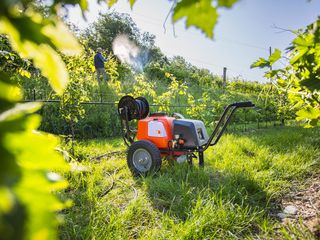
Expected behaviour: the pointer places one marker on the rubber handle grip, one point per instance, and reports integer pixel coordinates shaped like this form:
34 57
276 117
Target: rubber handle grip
243 104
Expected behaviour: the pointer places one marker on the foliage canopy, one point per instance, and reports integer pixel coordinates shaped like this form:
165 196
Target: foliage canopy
300 78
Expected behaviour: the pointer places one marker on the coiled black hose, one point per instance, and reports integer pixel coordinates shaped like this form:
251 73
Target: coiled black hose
133 108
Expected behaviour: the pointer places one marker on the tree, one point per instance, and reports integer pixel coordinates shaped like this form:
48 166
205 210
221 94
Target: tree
108 27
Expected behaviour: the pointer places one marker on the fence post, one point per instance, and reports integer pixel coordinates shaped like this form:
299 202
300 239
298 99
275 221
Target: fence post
34 94
224 79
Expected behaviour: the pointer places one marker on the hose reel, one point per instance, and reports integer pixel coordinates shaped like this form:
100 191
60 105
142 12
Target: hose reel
130 108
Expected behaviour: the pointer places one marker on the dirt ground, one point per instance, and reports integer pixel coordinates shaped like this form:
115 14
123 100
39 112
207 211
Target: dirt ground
304 203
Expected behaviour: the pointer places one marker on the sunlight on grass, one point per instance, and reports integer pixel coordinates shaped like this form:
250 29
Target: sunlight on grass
230 198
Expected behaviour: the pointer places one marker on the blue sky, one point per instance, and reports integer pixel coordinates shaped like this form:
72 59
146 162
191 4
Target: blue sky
242 35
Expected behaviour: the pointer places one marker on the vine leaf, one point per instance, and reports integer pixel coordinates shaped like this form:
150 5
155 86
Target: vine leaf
69 45
57 73
8 91
83 5
308 113
200 14
40 46
312 83
29 30
26 157
304 41
261 62
226 3
132 2
275 56
300 53
111 2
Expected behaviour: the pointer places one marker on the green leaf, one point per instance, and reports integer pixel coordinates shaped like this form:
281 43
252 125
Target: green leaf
311 123
299 55
273 73
68 45
29 30
6 200
226 3
57 72
41 47
111 2
25 191
19 110
83 5
308 113
275 56
9 92
261 63
200 14
282 83
36 157
132 2
44 56
312 83
314 122
24 73
26 158
304 40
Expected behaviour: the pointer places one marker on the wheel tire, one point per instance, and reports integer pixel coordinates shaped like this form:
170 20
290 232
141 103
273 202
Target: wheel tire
143 158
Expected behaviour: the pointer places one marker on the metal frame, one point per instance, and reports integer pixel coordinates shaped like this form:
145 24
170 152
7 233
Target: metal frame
127 132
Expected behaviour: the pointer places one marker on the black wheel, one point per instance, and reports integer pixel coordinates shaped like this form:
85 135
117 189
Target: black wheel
143 158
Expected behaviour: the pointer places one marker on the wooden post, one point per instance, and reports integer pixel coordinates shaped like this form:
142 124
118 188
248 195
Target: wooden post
270 52
224 79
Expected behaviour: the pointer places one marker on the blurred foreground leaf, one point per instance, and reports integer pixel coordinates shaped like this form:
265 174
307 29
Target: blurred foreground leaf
27 205
39 41
200 14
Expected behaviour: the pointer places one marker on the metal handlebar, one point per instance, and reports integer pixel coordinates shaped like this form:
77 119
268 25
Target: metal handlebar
224 121
242 104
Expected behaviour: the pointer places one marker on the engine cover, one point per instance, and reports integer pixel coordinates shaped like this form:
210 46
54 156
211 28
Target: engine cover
156 129
192 131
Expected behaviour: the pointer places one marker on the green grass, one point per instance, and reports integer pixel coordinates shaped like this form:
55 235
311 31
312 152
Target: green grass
85 150
232 197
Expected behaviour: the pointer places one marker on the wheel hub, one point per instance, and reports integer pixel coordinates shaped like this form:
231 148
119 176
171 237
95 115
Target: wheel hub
142 160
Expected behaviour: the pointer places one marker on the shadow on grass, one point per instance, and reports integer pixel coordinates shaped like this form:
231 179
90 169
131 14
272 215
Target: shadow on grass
177 189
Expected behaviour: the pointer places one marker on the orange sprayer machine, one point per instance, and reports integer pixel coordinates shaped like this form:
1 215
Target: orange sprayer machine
159 135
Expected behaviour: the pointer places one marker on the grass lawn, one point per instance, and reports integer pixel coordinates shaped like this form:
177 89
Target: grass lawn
233 197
